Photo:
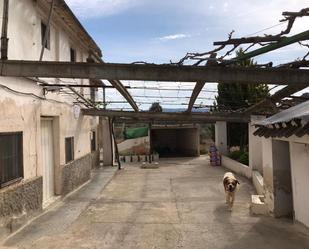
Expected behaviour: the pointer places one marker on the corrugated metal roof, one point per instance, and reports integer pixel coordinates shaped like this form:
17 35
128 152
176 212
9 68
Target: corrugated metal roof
300 111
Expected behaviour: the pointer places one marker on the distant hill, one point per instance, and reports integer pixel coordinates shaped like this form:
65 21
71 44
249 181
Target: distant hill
184 109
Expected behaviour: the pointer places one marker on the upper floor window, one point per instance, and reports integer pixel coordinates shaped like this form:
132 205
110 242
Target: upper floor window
69 149
72 55
11 158
43 31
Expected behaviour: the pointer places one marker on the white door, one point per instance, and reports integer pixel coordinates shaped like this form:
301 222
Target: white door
47 146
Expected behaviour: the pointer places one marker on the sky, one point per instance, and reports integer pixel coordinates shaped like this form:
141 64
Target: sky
161 31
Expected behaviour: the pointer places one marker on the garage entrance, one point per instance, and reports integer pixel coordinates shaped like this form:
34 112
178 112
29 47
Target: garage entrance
175 142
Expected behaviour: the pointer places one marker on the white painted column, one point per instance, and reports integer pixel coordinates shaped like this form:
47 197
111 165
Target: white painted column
255 146
221 137
107 143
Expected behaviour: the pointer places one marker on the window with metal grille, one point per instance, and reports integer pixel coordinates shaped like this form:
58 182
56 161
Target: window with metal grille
93 141
11 158
69 149
72 55
43 31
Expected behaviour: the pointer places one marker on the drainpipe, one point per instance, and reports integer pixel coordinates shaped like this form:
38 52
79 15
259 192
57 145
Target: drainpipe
4 34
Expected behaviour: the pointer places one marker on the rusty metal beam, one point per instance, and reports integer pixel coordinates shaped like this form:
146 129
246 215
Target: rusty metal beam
147 72
164 116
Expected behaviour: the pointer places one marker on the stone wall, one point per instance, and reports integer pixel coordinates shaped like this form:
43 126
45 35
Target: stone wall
76 173
18 202
95 159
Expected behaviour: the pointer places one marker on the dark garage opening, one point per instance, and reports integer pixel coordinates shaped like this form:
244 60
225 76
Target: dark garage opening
175 142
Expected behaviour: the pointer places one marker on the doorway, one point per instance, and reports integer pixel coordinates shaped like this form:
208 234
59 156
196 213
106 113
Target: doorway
47 147
283 195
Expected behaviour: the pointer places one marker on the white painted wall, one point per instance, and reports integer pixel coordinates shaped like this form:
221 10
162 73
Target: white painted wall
236 167
300 183
255 146
268 177
22 112
221 137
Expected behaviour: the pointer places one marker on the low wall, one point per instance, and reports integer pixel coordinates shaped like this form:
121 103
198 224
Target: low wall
76 173
236 167
19 202
258 182
95 159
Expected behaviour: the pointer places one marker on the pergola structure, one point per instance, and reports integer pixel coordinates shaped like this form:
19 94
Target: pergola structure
216 69
207 67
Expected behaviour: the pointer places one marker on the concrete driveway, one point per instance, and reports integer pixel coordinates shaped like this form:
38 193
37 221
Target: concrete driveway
179 205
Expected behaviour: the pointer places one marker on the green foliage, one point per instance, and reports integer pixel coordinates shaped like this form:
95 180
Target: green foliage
238 96
155 107
240 156
235 154
244 158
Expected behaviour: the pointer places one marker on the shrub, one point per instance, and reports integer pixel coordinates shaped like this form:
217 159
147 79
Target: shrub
235 155
244 158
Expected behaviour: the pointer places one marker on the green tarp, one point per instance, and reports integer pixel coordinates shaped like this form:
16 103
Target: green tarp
131 133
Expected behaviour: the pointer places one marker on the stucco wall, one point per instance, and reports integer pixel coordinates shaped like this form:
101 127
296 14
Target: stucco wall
255 146
268 173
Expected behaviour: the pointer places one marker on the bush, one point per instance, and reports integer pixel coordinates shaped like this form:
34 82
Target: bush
235 155
244 158
240 156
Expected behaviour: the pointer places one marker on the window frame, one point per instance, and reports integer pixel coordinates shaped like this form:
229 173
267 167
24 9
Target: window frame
72 152
93 141
73 54
43 30
20 167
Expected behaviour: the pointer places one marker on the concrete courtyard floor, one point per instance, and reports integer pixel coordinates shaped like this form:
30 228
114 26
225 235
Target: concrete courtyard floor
179 205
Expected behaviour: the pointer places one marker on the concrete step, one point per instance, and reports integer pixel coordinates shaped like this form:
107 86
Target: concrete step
258 205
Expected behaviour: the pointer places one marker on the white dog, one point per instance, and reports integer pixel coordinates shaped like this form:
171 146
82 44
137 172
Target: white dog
230 185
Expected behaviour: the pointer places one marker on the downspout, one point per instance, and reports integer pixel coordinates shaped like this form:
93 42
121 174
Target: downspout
4 33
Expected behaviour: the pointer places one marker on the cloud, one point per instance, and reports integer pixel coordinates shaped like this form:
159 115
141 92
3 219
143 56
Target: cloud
99 8
173 37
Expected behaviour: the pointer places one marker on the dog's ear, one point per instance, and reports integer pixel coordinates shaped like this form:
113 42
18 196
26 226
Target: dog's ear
237 182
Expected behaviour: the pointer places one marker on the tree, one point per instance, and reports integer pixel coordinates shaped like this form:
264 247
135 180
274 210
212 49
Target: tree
155 107
238 96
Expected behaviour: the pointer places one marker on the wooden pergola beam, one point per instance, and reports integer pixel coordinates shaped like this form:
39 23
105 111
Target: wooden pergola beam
195 93
164 116
151 72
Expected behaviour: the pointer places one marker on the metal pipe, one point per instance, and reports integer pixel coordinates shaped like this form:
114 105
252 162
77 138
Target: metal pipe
4 33
273 46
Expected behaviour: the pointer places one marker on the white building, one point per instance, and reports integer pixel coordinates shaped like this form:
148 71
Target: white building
278 162
46 148
285 161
